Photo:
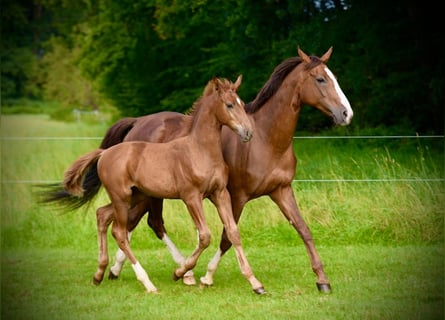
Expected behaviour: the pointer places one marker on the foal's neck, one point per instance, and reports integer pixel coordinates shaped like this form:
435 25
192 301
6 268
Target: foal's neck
206 130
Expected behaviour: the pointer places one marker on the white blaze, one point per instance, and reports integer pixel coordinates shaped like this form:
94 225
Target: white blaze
342 96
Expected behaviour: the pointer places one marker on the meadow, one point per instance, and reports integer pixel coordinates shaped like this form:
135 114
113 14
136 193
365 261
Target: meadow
375 208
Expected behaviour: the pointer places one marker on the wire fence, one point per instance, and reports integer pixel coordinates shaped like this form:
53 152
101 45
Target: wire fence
419 179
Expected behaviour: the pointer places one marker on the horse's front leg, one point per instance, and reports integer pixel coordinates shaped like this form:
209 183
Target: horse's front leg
194 206
221 199
104 216
285 199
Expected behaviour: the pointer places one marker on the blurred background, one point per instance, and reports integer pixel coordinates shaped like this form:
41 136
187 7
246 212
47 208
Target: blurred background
135 57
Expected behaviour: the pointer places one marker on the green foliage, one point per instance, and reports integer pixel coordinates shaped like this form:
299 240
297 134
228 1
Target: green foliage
150 55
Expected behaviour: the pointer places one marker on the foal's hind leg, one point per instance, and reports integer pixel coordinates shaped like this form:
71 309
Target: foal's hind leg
285 199
135 214
120 233
104 216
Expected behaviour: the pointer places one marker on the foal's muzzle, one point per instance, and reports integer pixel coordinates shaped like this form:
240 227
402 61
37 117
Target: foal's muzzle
245 134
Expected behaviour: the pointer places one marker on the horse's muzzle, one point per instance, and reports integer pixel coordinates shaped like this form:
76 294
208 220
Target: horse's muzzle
342 117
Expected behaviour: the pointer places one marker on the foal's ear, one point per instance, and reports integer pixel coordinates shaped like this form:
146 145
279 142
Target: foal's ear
238 82
212 85
327 55
303 55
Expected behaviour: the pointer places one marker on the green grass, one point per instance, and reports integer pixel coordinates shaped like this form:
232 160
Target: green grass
369 282
381 242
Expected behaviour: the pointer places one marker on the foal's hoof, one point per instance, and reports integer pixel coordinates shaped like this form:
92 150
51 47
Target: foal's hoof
324 287
112 276
189 280
259 290
96 282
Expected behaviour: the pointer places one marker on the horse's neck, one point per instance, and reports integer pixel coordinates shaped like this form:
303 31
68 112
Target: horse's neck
277 118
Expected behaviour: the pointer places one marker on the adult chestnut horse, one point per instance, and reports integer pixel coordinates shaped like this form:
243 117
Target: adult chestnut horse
189 168
265 166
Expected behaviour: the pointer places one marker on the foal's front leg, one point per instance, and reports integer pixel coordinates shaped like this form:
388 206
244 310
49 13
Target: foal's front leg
221 199
194 206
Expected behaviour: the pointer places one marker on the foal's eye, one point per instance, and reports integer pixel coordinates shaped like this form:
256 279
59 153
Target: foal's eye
229 105
320 80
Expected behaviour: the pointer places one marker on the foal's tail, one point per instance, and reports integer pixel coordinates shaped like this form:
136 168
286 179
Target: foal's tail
80 185
81 182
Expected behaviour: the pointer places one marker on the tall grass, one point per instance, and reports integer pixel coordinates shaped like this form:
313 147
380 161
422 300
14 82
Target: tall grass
338 212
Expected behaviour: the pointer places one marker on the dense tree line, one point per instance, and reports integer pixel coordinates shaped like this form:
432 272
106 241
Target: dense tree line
144 56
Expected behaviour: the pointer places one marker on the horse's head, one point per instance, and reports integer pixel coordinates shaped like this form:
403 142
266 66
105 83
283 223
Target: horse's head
231 111
321 89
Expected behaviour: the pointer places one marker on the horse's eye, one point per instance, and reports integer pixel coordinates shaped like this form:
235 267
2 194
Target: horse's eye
229 105
320 80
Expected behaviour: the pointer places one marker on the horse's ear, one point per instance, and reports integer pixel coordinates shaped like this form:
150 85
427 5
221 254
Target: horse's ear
327 55
238 82
303 55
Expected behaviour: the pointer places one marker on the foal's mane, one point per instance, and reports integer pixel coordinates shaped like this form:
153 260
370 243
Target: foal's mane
276 79
208 90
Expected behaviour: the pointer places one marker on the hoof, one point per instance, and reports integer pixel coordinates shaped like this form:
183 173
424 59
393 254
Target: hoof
96 282
175 277
189 280
204 285
324 287
112 276
259 290
153 291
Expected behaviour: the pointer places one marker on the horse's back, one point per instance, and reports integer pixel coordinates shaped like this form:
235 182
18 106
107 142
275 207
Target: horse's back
159 127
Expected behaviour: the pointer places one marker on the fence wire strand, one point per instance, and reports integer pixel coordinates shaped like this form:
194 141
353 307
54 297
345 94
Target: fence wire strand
36 182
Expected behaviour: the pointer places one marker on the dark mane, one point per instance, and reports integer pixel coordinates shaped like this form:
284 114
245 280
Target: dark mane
275 81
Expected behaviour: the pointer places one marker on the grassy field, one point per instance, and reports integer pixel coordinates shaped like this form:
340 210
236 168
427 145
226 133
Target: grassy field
381 242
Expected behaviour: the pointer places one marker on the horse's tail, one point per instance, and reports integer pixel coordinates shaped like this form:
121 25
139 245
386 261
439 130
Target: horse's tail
117 132
80 185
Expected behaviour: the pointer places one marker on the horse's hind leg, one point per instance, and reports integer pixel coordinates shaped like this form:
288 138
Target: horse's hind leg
104 216
285 199
156 223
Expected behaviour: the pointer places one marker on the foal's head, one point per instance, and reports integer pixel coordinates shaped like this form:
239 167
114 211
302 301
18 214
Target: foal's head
230 110
321 90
